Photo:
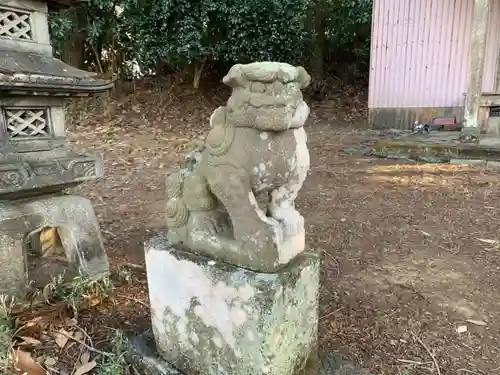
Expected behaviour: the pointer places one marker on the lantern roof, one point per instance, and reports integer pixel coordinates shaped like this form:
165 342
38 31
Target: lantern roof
27 65
24 72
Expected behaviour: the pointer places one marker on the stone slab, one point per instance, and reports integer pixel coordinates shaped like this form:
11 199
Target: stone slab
212 318
144 357
77 227
490 141
436 147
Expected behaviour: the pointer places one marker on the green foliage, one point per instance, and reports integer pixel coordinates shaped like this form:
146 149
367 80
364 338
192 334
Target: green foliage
101 25
349 27
263 30
60 25
97 19
77 292
116 363
180 32
218 30
171 30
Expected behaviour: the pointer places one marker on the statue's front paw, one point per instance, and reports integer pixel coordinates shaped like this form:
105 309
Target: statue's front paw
290 219
267 232
270 230
206 222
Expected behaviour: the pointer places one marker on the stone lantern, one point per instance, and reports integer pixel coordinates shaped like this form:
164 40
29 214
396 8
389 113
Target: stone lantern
36 164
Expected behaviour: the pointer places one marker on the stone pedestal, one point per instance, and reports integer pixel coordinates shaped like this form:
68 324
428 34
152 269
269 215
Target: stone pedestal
77 228
143 355
211 318
493 126
492 136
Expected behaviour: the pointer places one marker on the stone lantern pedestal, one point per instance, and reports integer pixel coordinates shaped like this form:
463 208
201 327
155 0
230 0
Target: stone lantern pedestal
36 164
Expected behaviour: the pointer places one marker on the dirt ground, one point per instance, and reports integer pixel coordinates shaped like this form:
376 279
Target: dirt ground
411 252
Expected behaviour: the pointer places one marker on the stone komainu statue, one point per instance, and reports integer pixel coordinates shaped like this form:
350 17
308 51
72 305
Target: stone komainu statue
256 145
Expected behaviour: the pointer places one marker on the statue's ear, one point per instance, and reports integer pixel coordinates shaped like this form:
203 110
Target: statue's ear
304 77
235 77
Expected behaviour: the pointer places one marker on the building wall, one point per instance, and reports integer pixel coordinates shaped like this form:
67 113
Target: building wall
419 59
492 48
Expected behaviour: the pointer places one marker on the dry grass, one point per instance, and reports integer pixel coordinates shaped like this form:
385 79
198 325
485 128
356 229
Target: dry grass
43 336
6 333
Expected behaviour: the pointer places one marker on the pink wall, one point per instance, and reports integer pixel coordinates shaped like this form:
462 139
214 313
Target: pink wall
420 50
492 48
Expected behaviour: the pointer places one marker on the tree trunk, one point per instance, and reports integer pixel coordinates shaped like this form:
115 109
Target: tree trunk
97 58
198 70
319 13
73 52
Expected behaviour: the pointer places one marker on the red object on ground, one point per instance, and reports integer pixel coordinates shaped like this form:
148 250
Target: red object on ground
445 123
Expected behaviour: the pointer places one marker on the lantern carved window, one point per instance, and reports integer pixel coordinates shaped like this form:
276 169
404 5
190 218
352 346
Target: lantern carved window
26 122
15 24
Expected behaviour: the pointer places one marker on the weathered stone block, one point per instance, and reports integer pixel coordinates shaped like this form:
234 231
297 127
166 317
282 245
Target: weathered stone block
212 318
493 165
77 227
256 147
475 162
28 175
142 354
493 126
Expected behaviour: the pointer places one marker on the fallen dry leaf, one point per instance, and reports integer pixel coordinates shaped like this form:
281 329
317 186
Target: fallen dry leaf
24 364
31 328
27 340
85 358
85 368
486 240
51 361
61 339
92 302
476 322
34 322
47 293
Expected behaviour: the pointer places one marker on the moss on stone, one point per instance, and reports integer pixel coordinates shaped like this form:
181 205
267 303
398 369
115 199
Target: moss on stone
432 152
233 320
